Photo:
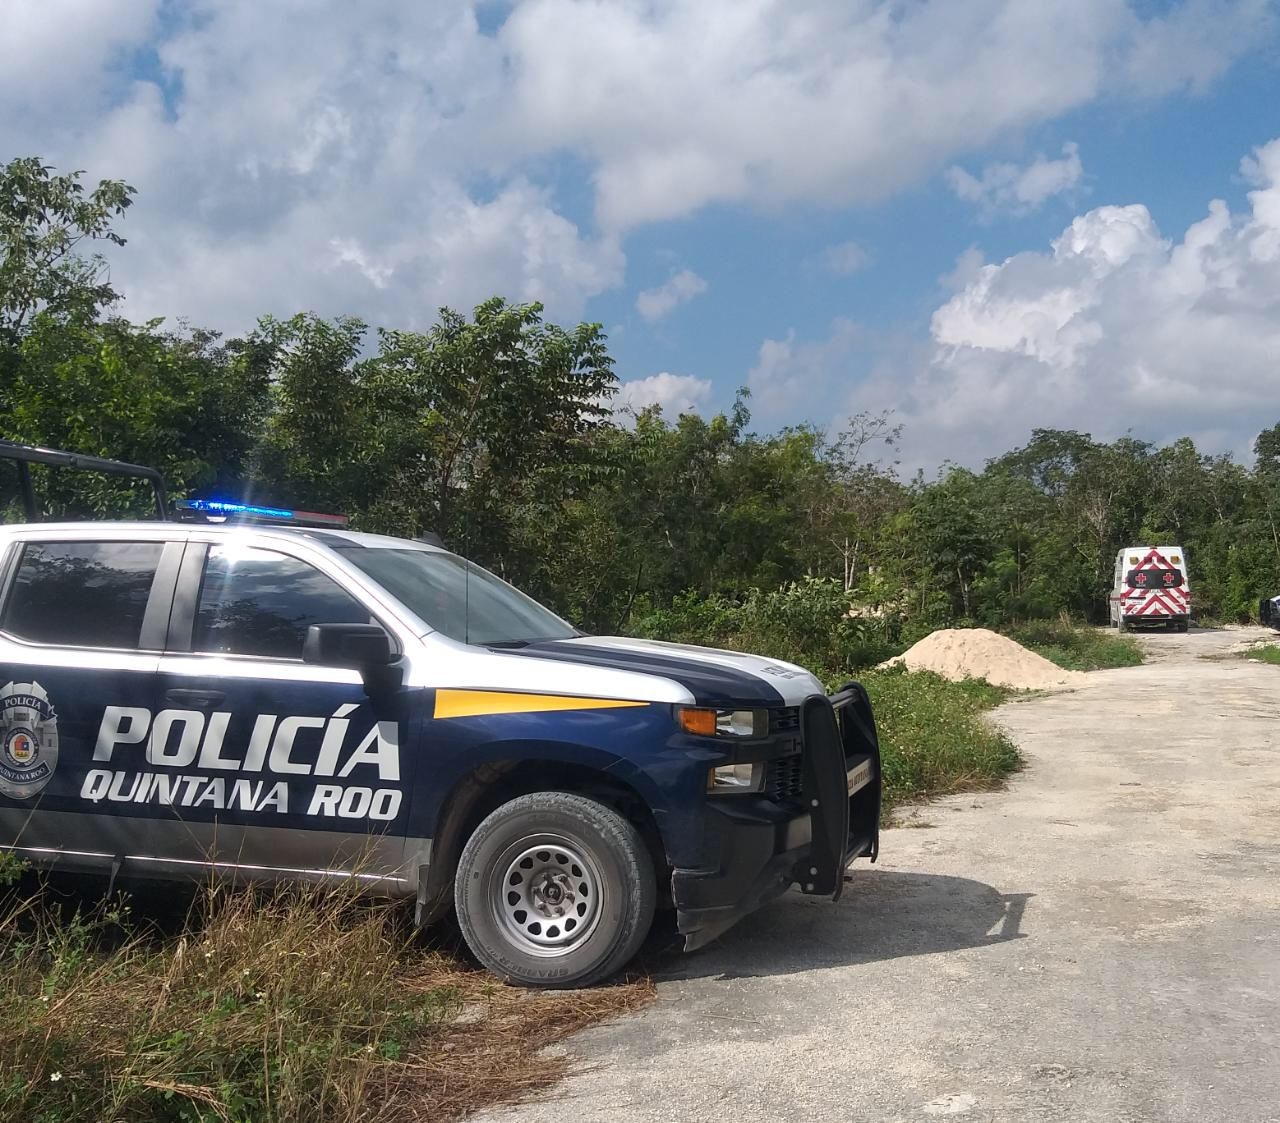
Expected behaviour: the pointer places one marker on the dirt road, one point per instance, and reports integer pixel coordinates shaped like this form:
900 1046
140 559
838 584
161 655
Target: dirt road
1101 942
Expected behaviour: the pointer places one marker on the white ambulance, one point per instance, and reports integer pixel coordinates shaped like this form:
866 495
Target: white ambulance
1150 588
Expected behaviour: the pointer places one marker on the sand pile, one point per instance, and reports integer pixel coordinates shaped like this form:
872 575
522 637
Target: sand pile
960 653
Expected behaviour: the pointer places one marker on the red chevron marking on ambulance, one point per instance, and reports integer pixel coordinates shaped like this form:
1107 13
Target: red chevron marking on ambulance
1157 600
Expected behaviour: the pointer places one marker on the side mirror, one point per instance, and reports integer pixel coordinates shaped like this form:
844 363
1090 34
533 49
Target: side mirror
360 646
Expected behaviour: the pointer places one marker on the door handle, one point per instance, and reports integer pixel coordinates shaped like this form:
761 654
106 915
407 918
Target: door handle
194 699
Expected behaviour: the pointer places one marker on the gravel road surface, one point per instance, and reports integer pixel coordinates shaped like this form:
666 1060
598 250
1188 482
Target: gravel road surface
1099 942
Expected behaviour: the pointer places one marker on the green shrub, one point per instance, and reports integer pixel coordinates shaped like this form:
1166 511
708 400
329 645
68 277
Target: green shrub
934 738
1077 648
807 622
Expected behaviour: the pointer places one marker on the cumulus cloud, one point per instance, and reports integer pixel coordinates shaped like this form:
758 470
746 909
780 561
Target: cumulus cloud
789 375
381 158
681 104
285 163
1116 328
1188 45
674 393
657 303
57 53
1018 189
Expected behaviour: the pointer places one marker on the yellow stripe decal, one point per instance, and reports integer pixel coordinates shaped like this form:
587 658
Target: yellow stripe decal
480 703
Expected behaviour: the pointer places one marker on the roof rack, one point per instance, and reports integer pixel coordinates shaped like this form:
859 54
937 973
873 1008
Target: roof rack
26 455
225 510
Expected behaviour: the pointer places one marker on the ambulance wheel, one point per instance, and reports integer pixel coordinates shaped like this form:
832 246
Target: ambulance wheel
555 890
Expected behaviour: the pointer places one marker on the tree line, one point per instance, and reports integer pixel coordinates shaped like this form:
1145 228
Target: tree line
497 431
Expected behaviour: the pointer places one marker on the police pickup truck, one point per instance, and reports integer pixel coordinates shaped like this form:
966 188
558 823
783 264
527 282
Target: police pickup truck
263 694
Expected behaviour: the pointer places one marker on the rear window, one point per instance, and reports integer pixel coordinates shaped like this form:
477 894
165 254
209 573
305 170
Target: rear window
1154 579
82 594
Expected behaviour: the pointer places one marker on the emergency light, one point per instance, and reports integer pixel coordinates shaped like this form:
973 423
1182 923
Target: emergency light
220 510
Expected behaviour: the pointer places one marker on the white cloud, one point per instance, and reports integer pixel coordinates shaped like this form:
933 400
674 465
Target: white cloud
675 393
843 259
1019 190
381 158
1116 328
789 376
1191 44
53 53
654 304
681 104
316 163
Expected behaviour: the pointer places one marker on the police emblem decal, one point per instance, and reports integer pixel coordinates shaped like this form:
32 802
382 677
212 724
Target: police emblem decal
28 740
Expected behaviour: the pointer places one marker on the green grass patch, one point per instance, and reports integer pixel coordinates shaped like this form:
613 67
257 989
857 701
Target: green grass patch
1076 648
934 739
1267 653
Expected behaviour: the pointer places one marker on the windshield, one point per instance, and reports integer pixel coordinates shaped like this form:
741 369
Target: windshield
457 598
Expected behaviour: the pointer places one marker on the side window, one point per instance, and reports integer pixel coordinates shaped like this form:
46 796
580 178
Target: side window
259 602
86 594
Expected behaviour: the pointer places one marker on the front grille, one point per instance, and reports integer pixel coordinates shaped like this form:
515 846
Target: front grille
784 780
784 719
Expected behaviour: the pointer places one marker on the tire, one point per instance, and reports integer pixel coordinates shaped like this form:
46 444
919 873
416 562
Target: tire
542 865
1184 626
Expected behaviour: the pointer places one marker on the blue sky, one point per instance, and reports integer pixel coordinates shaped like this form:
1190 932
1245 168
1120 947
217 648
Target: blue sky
1172 155
845 204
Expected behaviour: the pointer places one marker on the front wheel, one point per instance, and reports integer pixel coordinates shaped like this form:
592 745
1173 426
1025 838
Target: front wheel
555 890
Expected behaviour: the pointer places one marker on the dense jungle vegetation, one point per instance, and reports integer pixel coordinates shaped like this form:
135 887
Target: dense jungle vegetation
495 430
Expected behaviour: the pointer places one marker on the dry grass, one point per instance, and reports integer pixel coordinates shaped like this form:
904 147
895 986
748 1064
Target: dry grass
494 1051
296 1006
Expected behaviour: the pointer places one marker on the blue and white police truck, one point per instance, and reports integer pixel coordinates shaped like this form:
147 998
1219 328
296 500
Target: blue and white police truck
262 694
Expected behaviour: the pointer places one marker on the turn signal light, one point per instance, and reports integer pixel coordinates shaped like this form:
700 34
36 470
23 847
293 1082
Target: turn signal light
699 722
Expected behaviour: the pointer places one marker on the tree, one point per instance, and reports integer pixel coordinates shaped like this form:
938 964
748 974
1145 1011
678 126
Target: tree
479 429
504 406
43 220
184 402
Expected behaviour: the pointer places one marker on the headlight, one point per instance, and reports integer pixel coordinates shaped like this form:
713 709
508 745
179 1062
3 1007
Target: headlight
736 778
723 723
736 723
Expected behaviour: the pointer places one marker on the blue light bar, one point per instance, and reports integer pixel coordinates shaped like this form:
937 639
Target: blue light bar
223 509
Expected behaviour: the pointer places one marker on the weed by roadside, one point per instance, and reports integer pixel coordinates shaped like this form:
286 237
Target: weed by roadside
934 739
1077 648
294 1006
1267 653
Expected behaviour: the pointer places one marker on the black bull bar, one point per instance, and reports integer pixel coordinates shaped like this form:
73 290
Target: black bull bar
842 787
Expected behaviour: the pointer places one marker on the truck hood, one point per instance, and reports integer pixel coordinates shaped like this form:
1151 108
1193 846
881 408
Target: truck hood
715 678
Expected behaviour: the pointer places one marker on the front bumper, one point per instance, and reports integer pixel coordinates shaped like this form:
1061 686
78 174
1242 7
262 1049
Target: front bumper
756 849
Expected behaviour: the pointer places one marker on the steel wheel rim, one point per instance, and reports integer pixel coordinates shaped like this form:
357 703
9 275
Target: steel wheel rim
546 895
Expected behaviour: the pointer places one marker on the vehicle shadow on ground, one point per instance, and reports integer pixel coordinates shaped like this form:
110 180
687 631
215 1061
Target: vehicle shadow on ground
882 915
